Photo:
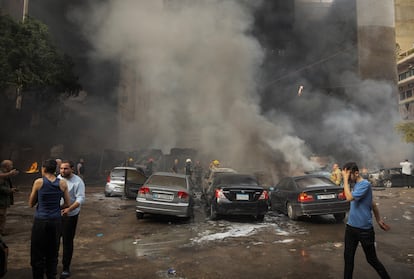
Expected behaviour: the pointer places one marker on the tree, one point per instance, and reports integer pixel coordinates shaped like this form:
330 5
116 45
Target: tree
406 129
29 61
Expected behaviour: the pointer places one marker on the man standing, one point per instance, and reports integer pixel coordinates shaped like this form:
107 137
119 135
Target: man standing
76 188
80 168
46 194
6 191
359 227
406 169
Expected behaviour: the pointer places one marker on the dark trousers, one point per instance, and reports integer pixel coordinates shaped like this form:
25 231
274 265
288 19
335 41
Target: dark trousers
69 224
44 247
367 238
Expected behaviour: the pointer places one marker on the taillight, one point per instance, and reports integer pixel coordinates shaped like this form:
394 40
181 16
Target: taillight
304 197
108 178
143 191
219 194
264 195
182 195
341 196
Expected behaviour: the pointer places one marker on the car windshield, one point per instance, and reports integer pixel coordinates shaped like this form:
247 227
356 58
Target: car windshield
235 180
118 173
309 182
163 180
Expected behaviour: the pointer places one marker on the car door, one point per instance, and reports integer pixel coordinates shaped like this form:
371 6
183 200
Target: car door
279 194
397 178
134 179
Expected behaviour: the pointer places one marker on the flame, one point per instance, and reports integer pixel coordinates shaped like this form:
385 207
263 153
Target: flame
33 168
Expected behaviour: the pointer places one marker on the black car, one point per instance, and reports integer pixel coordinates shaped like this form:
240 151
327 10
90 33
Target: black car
236 194
391 177
309 195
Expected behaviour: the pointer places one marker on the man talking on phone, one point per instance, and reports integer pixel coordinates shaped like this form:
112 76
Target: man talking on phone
359 227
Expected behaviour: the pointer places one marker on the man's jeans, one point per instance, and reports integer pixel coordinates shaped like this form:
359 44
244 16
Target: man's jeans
367 238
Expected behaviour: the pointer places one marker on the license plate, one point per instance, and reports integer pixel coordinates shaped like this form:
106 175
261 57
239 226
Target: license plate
242 197
326 197
158 196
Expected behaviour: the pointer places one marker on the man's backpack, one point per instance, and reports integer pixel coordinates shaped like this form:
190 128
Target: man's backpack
4 253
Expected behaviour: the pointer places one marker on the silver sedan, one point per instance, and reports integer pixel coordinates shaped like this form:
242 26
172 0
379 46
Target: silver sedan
166 193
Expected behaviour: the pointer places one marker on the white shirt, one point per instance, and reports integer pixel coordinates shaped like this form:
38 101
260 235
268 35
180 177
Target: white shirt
406 167
76 188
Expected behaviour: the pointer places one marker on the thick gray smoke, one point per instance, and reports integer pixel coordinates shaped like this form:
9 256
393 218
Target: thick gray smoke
193 75
193 68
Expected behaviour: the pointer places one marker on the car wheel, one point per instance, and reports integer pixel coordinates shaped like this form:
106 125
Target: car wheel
291 212
107 194
260 218
339 217
387 183
213 213
140 215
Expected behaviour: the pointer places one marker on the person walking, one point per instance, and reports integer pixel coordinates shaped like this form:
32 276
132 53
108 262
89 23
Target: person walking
76 188
6 191
46 195
359 227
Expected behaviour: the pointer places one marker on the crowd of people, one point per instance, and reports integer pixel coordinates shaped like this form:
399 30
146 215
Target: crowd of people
57 197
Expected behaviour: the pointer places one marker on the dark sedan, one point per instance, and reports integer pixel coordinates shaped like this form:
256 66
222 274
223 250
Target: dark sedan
237 194
309 195
166 193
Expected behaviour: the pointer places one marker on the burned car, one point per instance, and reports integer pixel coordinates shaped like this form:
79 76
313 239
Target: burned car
308 195
166 193
390 177
125 182
236 194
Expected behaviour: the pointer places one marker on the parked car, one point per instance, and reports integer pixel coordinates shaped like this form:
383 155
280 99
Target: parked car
166 193
237 194
124 181
391 177
308 195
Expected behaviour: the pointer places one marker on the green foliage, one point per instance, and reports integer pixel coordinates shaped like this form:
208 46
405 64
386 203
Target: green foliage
30 61
406 130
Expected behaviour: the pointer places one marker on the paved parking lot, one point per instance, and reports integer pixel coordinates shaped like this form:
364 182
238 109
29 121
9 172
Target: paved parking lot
112 243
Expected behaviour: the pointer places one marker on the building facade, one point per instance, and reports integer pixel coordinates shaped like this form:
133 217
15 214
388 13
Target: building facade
405 66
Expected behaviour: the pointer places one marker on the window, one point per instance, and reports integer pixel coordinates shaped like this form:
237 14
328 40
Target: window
402 96
409 93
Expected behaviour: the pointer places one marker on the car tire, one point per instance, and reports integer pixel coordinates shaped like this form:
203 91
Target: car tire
387 183
260 218
339 217
213 213
140 215
107 194
291 212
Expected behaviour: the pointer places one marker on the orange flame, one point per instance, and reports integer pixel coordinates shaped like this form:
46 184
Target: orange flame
33 168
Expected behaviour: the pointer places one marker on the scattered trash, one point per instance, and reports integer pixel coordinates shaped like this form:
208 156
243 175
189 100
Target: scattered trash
337 245
99 234
171 271
292 250
410 255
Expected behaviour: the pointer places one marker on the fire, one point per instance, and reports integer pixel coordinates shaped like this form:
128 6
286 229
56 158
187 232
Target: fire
33 168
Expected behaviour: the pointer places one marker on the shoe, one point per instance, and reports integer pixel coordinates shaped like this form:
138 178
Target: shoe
65 274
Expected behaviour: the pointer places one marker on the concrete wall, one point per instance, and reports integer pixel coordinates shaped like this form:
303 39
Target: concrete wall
404 23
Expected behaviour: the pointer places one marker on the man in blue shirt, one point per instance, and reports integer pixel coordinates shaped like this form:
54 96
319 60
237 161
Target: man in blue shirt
359 226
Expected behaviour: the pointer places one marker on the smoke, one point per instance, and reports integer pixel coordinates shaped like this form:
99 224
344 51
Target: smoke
199 74
193 68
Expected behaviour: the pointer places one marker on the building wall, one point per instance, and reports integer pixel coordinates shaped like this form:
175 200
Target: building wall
406 85
404 23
